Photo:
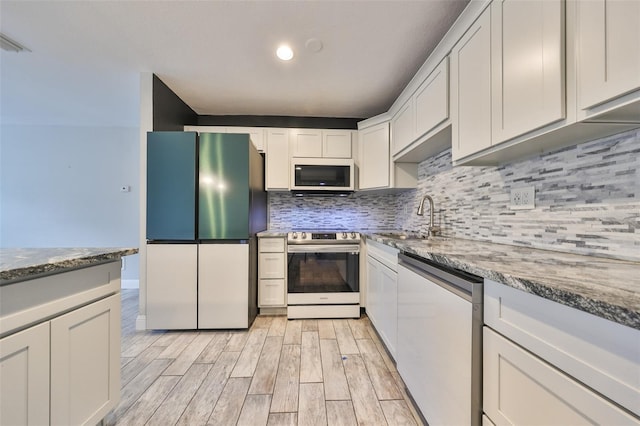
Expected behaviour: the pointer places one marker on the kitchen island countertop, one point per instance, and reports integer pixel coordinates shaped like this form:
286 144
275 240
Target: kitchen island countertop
600 286
20 264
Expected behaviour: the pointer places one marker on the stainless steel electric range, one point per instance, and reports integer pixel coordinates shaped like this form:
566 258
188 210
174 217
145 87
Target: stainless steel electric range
323 279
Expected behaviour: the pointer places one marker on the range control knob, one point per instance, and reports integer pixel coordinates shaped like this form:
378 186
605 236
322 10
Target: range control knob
304 235
353 235
294 235
344 235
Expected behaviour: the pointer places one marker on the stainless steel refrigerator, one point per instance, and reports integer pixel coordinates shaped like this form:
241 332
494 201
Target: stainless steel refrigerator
205 203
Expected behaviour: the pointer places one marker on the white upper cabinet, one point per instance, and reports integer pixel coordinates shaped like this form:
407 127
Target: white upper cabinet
256 134
403 127
432 99
336 143
471 90
306 142
317 143
417 128
374 157
376 170
277 160
527 66
608 56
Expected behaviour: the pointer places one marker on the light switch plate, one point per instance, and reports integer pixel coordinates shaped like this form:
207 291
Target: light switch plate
523 198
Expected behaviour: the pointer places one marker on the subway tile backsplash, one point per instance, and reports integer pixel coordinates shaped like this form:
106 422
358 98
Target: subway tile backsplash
587 201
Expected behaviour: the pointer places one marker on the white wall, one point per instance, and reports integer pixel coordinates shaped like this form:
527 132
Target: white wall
60 187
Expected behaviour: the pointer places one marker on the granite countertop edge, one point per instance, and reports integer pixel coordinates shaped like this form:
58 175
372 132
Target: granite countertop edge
613 305
22 264
272 233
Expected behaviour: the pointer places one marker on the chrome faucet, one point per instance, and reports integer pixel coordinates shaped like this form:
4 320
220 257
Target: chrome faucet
433 230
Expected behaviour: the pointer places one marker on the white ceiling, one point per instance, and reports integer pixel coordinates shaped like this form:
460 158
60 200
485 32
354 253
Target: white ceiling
218 56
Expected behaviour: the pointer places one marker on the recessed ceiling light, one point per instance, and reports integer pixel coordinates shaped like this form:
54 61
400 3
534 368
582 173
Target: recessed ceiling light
284 52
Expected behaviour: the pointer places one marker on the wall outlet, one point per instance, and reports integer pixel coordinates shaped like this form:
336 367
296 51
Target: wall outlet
123 265
523 198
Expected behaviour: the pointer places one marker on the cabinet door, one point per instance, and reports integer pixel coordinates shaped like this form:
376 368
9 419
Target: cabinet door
389 285
608 49
432 99
277 161
527 66
607 360
306 143
223 286
271 293
336 143
471 90
256 134
374 292
172 286
374 157
403 127
24 377
85 363
517 384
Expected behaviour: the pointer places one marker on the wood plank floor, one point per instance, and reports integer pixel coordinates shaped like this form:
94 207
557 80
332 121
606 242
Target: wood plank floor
279 372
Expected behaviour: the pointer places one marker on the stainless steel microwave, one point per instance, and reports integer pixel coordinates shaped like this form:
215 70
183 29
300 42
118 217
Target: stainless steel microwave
322 175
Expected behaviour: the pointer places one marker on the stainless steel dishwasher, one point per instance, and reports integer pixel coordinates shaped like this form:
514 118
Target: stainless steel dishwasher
439 349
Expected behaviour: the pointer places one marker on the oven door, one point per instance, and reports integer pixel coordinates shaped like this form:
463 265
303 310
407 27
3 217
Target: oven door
321 268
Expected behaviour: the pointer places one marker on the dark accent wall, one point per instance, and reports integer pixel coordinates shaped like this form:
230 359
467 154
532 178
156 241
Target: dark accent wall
279 121
169 111
172 113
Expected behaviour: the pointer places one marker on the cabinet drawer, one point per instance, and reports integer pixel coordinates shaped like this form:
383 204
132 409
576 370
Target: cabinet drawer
271 265
520 388
600 353
271 245
271 293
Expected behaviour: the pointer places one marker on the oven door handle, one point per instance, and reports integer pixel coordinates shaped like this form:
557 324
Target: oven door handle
323 248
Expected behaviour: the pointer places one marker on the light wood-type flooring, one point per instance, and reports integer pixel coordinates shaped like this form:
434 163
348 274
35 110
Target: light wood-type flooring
279 372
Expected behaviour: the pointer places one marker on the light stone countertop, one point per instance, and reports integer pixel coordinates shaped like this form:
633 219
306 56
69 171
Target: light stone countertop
604 287
21 264
273 233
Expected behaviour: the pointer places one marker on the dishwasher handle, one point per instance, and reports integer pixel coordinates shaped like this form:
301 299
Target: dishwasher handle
467 286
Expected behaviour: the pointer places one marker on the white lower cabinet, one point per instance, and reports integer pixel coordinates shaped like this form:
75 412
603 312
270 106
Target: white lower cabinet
272 265
24 377
65 371
520 388
85 363
602 354
382 293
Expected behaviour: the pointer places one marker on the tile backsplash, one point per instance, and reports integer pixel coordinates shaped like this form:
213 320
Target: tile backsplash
587 201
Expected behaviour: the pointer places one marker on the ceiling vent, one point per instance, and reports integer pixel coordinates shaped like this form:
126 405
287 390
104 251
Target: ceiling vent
11 45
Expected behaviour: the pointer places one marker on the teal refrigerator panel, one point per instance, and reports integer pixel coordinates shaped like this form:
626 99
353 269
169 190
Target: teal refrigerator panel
171 185
223 196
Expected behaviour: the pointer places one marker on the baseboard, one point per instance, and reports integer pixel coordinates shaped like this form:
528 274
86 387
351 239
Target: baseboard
129 284
273 311
141 322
